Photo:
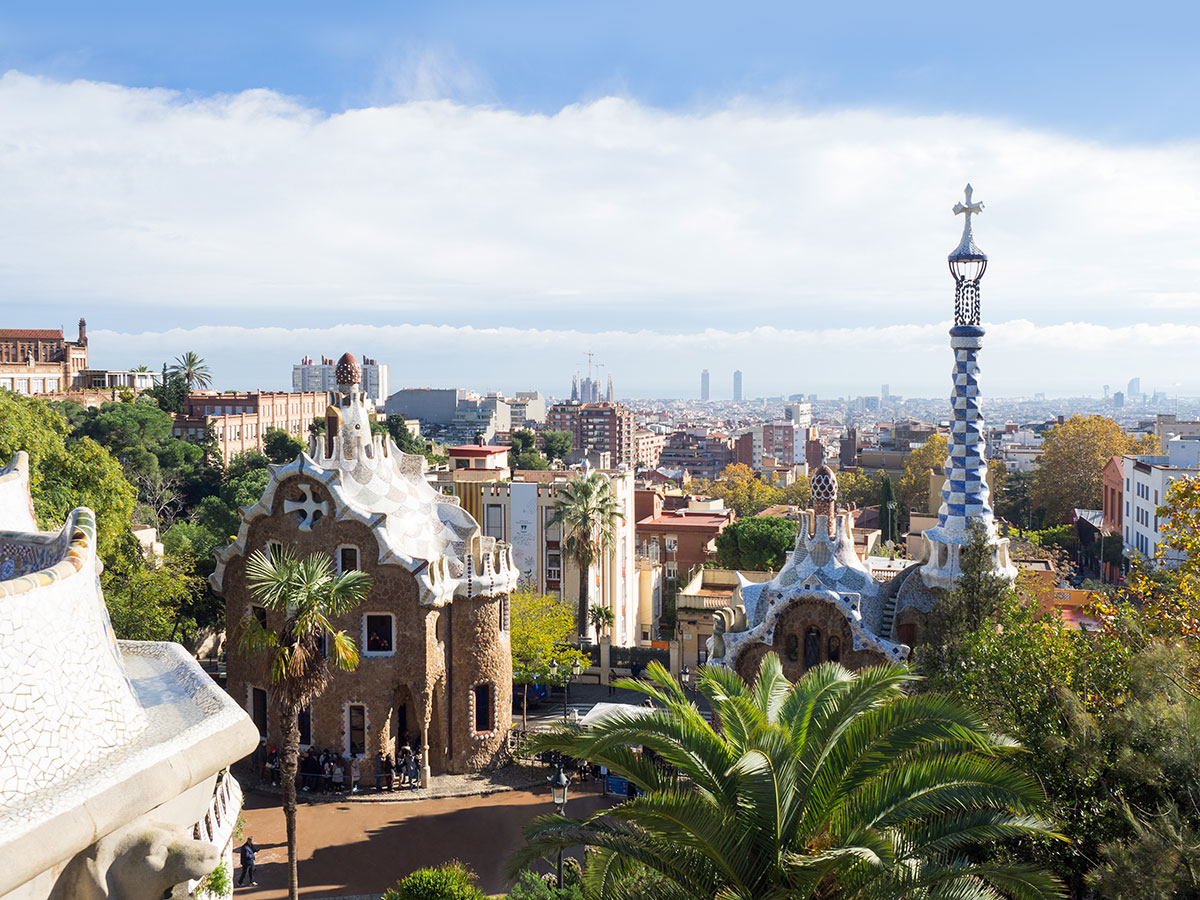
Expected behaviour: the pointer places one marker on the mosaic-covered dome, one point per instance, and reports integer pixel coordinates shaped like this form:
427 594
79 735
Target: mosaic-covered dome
347 370
824 485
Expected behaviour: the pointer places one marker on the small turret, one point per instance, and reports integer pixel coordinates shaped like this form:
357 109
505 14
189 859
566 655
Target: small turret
347 372
824 497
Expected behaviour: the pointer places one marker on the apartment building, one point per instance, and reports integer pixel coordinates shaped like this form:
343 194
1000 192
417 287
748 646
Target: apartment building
681 539
309 375
240 420
1146 481
702 453
519 512
647 448
604 427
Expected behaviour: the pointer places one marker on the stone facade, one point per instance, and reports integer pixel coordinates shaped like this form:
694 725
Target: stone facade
41 360
433 632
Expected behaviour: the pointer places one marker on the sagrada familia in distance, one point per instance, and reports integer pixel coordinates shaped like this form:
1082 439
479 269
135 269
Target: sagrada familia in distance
823 605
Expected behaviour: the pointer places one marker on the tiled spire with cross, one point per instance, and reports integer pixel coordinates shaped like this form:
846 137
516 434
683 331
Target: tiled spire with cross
965 496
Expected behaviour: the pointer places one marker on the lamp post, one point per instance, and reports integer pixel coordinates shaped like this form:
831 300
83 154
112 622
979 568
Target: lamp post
559 782
685 676
572 673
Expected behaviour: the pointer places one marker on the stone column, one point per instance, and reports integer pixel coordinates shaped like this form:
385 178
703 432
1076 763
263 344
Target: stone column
676 663
605 658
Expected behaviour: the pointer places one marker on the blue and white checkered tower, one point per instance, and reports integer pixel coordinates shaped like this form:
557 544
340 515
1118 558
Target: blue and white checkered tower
965 491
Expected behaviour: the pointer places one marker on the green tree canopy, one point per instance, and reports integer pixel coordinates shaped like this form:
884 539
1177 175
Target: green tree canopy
759 544
542 629
523 439
67 472
404 439
281 447
841 785
557 444
170 393
531 460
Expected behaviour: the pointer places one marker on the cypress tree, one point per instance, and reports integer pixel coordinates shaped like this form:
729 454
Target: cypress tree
888 511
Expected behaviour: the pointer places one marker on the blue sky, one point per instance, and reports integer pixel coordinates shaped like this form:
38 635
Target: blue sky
1114 71
543 178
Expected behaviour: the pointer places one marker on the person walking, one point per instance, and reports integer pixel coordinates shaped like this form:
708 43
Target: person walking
355 773
612 677
247 859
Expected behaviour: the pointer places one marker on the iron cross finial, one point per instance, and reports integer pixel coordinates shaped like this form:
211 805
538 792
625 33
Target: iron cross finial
970 208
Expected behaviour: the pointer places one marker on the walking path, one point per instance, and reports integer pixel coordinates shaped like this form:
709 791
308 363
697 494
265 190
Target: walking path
354 850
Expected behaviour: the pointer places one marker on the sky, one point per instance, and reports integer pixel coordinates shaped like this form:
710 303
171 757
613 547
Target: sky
479 193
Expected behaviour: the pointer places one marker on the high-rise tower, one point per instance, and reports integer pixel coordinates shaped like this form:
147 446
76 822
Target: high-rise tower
737 386
965 501
704 385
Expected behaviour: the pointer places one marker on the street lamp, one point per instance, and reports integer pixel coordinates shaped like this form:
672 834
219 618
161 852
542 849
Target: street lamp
685 676
559 782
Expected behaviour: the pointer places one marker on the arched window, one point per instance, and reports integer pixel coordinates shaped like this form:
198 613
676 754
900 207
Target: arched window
834 653
812 647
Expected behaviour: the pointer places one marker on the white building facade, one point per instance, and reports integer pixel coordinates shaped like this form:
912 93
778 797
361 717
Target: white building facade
1147 482
319 376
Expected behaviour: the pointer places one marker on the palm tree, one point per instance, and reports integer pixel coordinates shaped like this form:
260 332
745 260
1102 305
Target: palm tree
308 596
192 369
601 617
588 510
842 785
140 369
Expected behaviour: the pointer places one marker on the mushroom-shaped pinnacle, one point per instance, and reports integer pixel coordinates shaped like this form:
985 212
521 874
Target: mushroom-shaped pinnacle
347 371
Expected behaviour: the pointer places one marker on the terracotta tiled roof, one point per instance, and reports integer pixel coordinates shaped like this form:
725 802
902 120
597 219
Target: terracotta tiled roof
31 334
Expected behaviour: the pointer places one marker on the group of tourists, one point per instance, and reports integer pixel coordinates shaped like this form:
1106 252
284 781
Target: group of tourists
403 771
326 772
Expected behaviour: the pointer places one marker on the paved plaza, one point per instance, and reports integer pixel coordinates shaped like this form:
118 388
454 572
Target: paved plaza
354 849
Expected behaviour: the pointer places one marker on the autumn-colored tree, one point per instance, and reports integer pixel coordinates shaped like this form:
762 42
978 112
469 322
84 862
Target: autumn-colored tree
799 492
742 490
1069 474
1167 589
913 490
859 488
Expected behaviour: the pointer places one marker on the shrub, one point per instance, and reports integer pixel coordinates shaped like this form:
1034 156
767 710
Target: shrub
531 886
218 882
452 881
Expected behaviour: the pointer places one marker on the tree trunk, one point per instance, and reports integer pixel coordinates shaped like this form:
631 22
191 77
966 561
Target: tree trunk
288 763
583 603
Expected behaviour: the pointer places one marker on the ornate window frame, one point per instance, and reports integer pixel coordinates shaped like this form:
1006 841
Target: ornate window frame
495 703
377 654
346 726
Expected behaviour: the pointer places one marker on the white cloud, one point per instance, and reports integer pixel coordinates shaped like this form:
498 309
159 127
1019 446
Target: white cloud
150 211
